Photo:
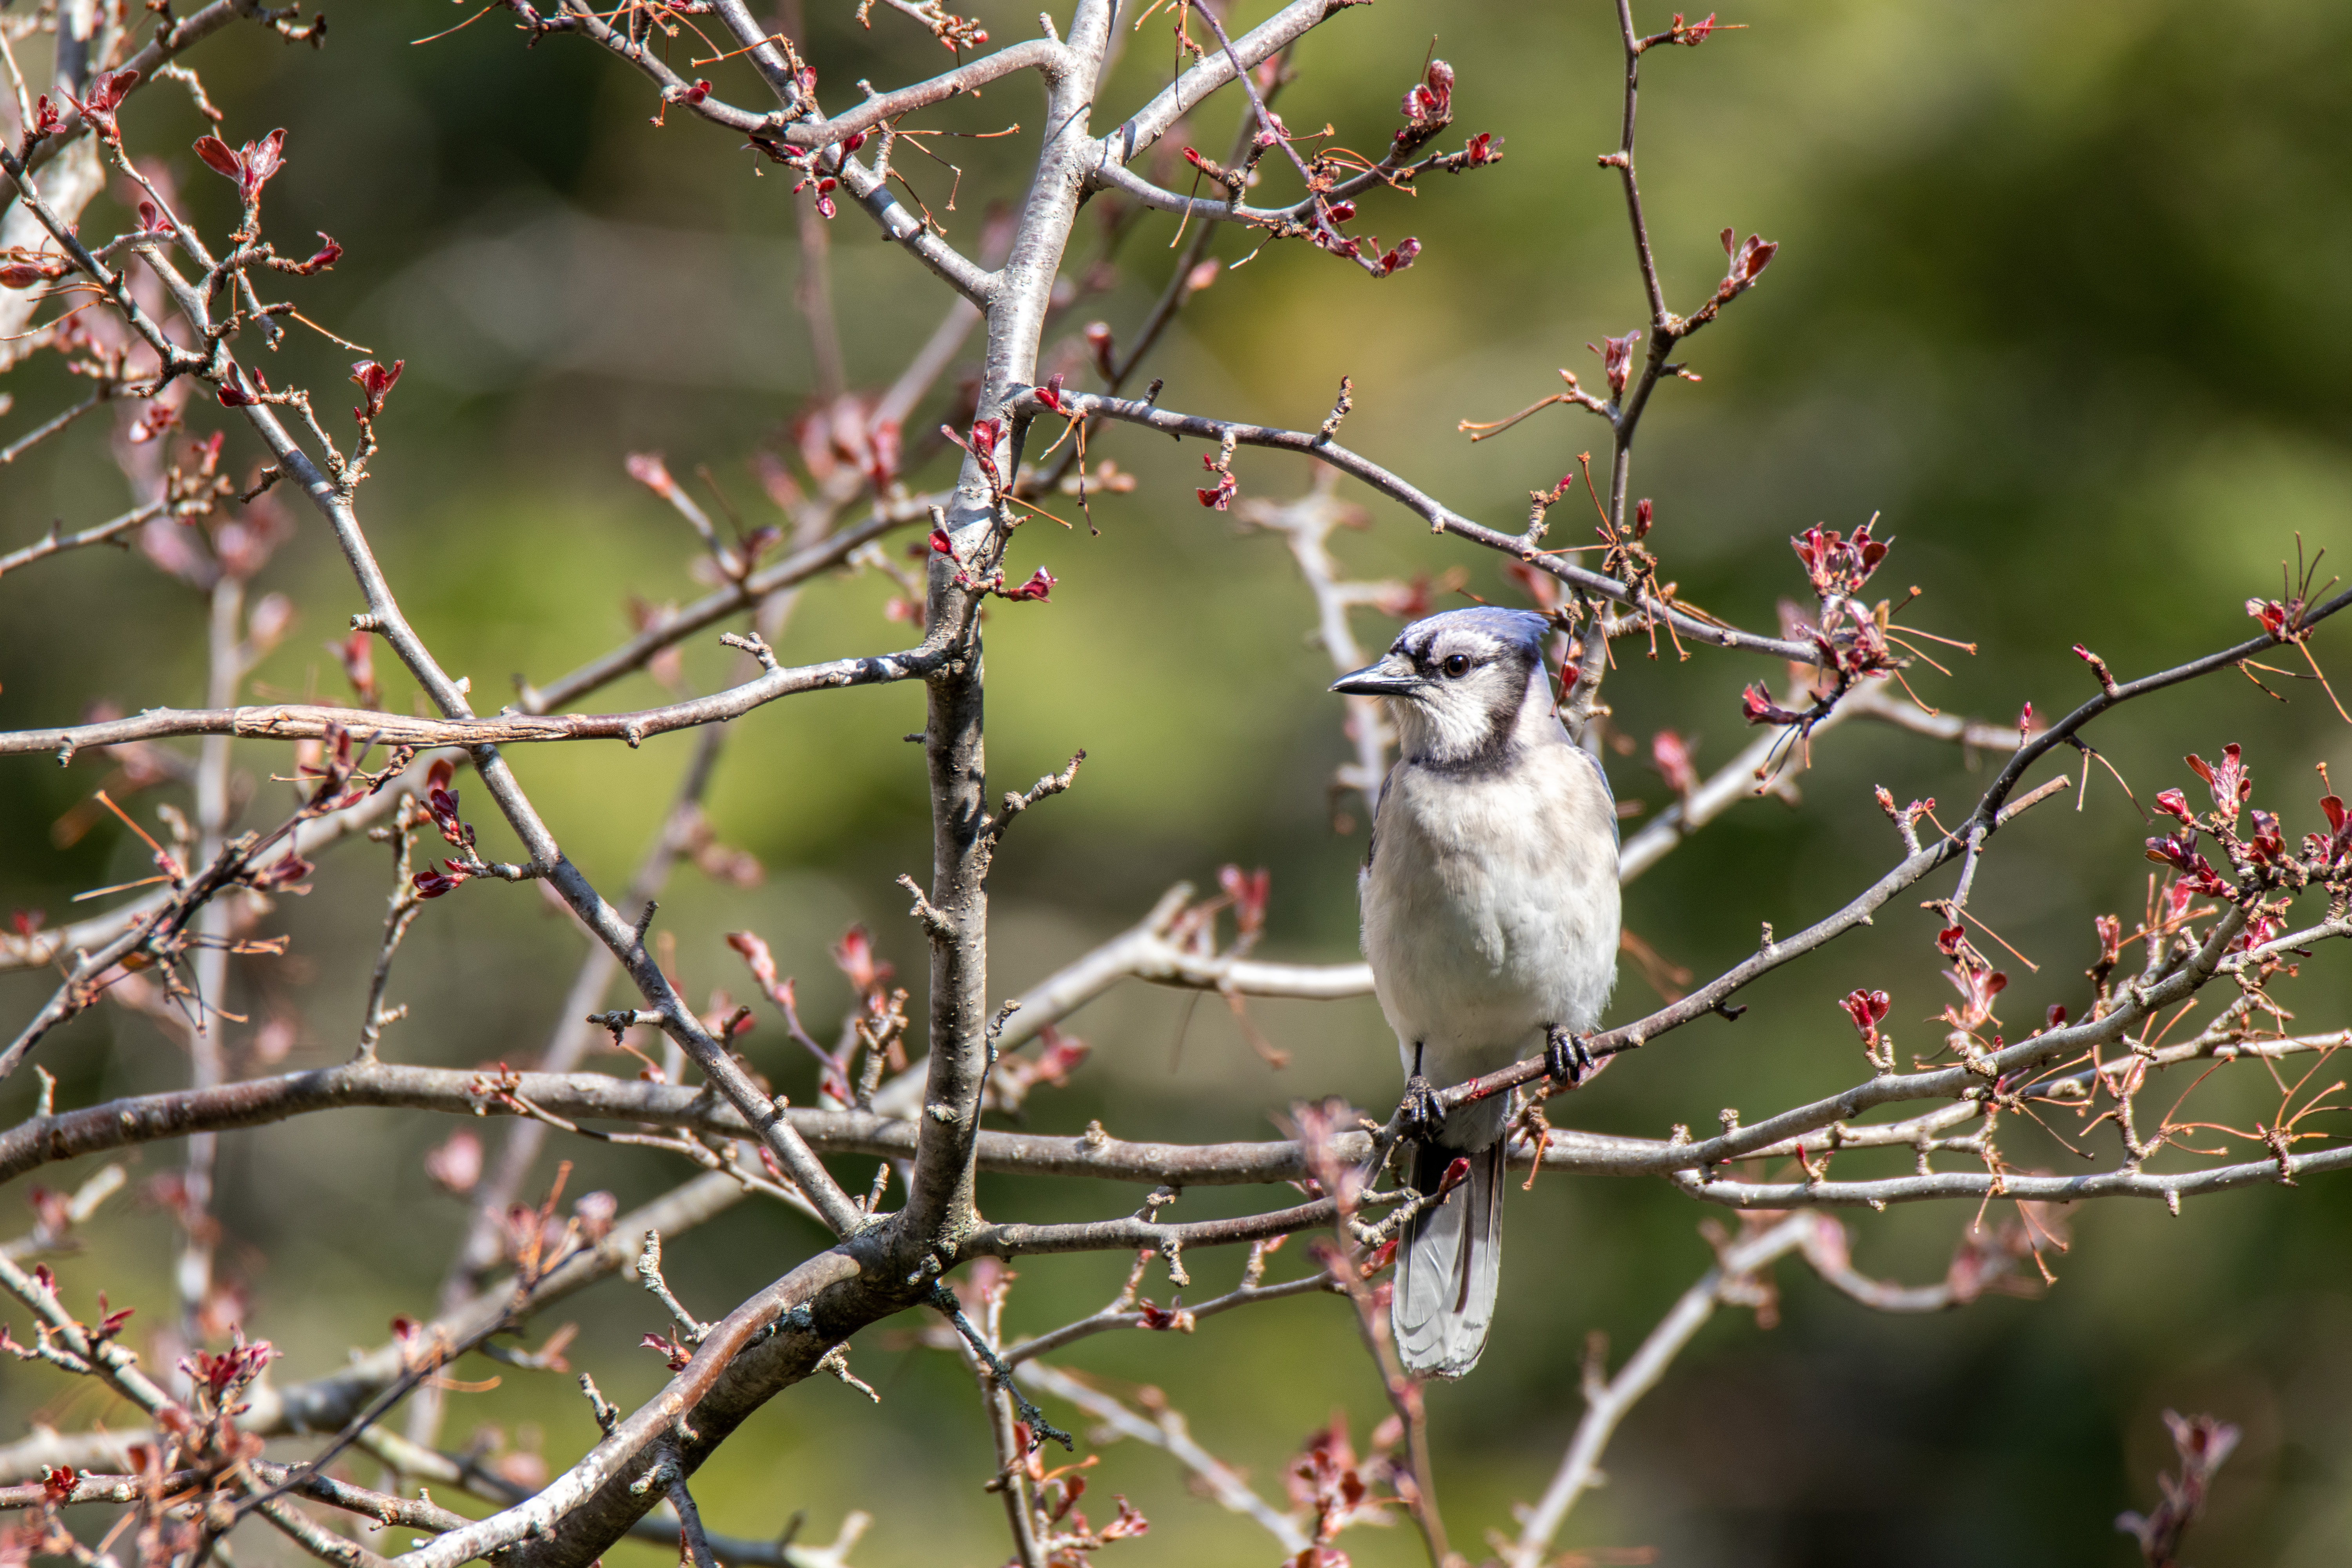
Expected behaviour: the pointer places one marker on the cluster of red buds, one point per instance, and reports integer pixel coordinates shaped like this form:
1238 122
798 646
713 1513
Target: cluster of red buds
1327 1481
1246 893
1835 565
1756 705
1068 1541
219 1379
1367 250
1038 589
1035 589
1220 495
981 444
441 806
1427 108
28 269
1625 557
1315 1124
2260 861
828 435
1854 645
106 94
1868 1010
809 162
1670 753
234 396
1852 639
866 970
691 96
2276 619
340 782
1249 892
251 166
1977 981
1057 1057
1617 360
161 417
1747 260
878 1021
356 654
375 383
329 252
2230 785
48 120
1234 180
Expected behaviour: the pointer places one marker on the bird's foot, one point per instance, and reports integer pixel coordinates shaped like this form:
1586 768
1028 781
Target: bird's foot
1566 1058
1424 1117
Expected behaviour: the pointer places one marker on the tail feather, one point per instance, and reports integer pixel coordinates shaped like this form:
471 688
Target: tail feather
1450 1265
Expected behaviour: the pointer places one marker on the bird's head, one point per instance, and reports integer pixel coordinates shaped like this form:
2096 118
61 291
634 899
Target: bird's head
1462 685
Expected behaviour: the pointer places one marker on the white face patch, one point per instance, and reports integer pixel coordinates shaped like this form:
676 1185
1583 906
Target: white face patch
1474 687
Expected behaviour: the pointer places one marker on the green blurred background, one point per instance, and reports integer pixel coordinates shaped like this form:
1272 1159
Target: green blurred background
2060 294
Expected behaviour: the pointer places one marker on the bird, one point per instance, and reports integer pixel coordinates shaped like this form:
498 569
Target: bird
1489 896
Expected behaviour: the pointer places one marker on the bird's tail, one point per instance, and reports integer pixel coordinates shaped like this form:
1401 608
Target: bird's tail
1450 1265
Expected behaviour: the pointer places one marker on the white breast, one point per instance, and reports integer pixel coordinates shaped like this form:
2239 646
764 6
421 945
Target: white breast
1491 908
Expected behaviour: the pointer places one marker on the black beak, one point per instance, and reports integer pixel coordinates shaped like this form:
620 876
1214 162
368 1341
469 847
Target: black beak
1393 675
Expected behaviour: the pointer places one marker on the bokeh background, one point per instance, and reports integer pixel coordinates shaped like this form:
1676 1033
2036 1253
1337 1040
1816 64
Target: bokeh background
2060 295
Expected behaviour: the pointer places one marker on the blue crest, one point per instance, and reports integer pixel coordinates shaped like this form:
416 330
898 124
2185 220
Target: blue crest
1521 629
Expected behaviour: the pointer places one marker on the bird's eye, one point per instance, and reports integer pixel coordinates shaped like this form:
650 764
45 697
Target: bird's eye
1457 666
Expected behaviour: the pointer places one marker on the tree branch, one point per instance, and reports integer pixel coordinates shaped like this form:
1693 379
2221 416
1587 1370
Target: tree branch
40 949
309 720
1215 70
1606 1402
1440 518
54 543
799 567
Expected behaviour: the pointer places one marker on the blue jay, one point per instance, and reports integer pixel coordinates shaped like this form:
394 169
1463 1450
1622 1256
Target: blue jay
1490 912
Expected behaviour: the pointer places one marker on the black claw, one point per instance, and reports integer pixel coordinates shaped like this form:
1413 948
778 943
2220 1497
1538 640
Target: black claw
1566 1058
1424 1117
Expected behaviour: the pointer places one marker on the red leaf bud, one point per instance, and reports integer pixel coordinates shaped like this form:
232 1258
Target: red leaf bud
326 255
1040 584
